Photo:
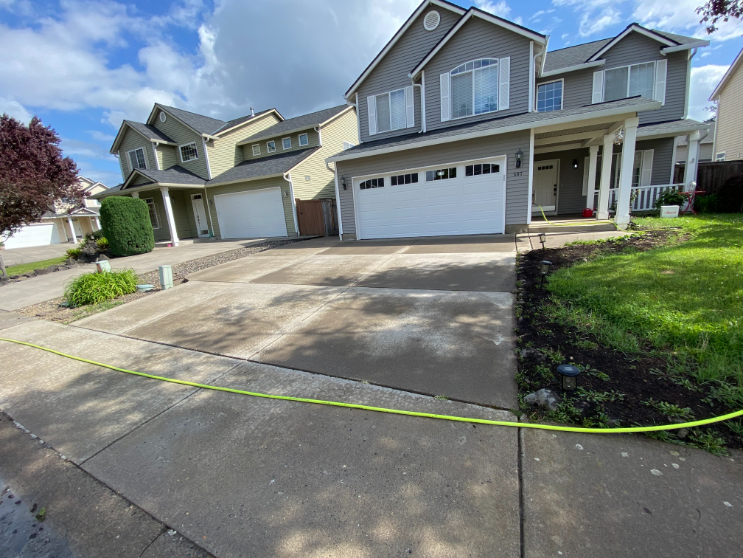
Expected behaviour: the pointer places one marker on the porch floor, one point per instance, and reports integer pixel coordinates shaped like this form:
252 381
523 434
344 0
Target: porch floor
569 223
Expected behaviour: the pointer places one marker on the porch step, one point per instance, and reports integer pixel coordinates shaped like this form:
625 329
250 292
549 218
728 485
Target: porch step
572 227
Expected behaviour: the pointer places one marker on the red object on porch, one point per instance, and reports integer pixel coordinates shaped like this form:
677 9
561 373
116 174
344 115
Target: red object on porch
588 212
691 196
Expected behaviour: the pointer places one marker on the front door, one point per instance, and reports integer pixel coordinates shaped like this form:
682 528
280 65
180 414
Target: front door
544 195
197 200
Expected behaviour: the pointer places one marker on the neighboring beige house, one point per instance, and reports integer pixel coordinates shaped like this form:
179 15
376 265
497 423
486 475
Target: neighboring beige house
203 177
728 141
706 145
64 222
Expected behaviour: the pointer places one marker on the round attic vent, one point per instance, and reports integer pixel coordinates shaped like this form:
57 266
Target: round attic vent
162 116
431 21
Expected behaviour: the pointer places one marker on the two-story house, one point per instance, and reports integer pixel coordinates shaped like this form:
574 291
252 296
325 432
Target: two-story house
203 177
469 125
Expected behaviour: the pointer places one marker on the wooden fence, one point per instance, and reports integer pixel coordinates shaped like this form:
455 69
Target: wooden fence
317 217
711 176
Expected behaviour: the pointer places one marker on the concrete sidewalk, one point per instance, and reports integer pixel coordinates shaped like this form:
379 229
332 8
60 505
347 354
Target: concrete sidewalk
240 476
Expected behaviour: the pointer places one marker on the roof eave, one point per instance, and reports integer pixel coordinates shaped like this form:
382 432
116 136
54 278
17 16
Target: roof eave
629 29
246 179
259 136
249 121
686 46
575 68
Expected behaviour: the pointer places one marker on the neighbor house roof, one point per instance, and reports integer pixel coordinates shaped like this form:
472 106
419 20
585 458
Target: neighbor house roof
501 125
262 167
298 123
206 125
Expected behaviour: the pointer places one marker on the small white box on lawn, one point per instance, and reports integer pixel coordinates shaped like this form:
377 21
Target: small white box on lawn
166 277
669 211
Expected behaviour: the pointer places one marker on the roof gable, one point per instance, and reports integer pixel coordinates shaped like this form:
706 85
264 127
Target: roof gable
150 133
726 78
298 123
633 28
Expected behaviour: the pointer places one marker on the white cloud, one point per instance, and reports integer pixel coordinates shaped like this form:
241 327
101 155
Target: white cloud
14 109
681 16
703 81
501 8
595 15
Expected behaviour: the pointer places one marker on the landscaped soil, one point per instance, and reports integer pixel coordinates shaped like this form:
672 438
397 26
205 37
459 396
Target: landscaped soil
619 382
53 310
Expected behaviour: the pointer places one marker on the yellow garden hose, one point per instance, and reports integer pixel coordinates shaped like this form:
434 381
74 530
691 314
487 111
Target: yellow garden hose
394 411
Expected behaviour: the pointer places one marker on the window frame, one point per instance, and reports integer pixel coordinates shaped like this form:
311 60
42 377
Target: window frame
562 95
258 145
283 147
129 158
268 146
389 102
151 205
472 73
180 151
306 137
629 75
721 156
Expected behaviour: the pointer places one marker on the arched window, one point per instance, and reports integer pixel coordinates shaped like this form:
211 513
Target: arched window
474 87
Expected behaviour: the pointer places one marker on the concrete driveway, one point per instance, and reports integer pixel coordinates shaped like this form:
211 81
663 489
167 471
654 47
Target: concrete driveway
430 316
18 256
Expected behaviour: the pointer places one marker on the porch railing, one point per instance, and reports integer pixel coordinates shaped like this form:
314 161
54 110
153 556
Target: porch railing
644 197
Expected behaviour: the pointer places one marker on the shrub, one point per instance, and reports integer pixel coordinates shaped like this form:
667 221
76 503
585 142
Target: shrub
74 253
126 225
93 288
670 197
102 244
707 204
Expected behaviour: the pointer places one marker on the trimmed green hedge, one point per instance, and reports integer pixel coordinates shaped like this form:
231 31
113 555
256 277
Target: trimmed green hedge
126 225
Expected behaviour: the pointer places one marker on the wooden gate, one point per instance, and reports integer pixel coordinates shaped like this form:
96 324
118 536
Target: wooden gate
309 215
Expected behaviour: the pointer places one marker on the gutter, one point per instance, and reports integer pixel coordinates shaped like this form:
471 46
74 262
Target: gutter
337 198
294 203
575 68
686 46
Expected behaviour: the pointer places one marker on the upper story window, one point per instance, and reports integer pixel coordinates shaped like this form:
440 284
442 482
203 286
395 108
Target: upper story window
188 152
303 139
256 149
286 143
474 88
270 146
137 159
549 96
629 81
390 111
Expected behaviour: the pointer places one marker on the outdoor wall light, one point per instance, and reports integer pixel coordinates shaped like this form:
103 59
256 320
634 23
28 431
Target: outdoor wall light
343 181
569 375
519 155
575 163
440 173
542 239
544 269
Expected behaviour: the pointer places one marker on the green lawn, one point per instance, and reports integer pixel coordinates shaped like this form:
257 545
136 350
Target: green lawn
686 298
26 267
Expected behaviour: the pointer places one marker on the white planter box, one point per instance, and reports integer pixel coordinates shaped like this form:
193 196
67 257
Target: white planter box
669 211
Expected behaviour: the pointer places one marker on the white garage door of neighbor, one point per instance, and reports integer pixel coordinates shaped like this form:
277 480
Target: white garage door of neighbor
461 198
42 234
255 214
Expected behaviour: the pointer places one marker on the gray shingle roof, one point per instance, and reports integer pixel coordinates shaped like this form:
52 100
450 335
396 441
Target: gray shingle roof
206 124
680 39
523 121
149 132
671 127
574 55
298 123
173 175
265 166
235 121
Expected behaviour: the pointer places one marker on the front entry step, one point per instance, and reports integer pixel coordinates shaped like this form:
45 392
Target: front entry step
573 226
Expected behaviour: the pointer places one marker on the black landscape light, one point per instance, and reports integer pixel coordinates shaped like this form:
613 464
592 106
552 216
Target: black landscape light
542 239
544 269
569 375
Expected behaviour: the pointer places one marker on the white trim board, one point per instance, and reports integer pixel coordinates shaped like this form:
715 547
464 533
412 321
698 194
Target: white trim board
629 29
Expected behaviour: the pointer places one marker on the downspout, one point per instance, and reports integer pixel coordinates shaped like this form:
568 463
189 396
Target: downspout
319 135
358 118
294 202
154 152
337 198
206 157
422 86
688 83
532 76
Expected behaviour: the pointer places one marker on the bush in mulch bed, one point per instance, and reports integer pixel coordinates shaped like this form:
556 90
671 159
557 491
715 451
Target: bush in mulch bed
624 380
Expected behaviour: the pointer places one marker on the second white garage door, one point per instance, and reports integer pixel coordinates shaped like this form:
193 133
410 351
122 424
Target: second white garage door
255 214
456 199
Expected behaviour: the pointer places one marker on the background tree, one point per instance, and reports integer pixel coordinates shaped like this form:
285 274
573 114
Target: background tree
719 10
33 173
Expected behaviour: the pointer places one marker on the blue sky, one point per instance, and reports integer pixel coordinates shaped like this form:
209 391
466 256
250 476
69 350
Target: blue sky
83 66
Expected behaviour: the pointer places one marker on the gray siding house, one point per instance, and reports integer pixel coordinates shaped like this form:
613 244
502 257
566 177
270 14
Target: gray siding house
468 124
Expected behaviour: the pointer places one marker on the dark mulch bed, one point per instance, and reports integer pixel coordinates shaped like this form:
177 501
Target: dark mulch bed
639 377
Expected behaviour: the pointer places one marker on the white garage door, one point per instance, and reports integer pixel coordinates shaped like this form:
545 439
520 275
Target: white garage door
461 198
42 234
255 214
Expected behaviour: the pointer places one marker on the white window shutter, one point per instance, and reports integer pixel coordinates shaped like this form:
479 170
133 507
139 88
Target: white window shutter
504 83
371 105
409 106
586 163
661 68
598 87
445 98
646 171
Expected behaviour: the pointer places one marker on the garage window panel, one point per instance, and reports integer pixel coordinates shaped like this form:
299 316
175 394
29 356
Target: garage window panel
475 170
441 174
372 183
401 179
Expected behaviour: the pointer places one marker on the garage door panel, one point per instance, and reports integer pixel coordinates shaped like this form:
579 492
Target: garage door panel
252 214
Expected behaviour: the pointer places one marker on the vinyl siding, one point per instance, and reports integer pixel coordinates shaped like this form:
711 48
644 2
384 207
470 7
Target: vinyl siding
322 181
517 187
706 153
133 140
635 48
392 71
730 119
662 158
276 182
224 153
181 134
180 201
479 39
167 156
312 137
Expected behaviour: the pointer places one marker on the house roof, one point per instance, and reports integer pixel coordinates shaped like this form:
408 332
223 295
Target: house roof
79 212
206 125
724 81
501 125
298 123
262 167
572 56
149 132
173 175
672 127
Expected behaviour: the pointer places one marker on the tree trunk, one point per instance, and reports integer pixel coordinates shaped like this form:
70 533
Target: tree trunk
2 266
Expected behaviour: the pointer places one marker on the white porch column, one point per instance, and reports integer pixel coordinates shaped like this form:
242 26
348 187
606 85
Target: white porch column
135 194
593 155
169 215
98 223
606 155
692 161
73 238
625 176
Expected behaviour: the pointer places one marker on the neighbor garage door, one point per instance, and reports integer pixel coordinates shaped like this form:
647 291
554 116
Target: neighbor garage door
461 198
41 234
255 214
